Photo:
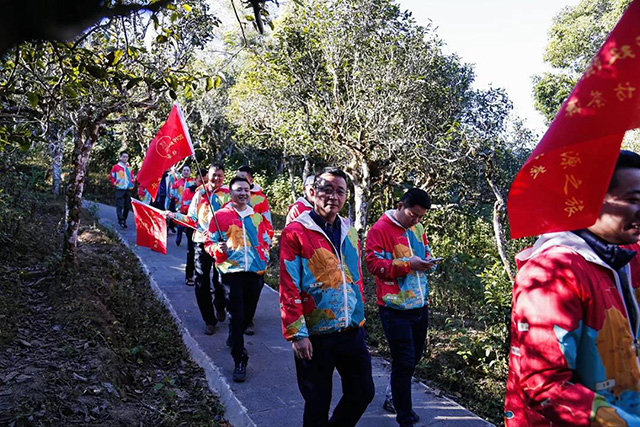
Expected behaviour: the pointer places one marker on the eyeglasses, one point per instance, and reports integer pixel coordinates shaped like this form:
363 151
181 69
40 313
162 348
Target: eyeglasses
330 191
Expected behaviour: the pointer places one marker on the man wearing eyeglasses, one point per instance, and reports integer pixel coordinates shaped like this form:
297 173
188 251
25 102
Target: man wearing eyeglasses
322 305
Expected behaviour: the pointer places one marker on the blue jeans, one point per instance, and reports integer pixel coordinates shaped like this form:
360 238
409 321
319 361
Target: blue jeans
347 352
406 332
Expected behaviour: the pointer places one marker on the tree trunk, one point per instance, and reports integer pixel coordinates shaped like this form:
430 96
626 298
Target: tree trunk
86 136
307 168
360 175
56 153
292 178
498 208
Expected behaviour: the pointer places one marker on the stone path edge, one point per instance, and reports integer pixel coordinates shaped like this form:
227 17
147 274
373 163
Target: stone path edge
235 412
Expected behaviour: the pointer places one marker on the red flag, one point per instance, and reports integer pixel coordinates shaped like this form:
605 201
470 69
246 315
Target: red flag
151 227
171 144
563 182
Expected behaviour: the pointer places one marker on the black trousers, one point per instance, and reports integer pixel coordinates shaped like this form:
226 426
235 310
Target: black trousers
191 252
123 205
203 264
347 352
406 332
242 291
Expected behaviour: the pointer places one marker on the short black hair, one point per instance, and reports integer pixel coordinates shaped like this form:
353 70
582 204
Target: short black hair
416 196
203 172
123 152
626 160
216 166
331 171
247 169
238 179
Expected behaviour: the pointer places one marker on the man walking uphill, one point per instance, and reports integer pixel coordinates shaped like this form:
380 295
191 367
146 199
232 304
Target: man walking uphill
574 324
122 178
322 306
398 255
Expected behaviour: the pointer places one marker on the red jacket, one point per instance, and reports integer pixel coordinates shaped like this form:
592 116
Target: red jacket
572 360
388 249
294 210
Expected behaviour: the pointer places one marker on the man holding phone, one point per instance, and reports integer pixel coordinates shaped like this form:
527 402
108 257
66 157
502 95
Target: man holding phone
398 255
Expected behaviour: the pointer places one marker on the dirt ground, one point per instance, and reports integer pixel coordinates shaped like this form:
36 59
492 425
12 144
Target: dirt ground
93 347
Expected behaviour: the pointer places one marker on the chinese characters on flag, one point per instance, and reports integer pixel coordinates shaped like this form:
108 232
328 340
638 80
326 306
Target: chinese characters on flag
151 227
563 182
171 144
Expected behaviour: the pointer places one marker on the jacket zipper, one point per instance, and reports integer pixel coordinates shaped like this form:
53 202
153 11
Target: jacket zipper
417 272
344 282
244 238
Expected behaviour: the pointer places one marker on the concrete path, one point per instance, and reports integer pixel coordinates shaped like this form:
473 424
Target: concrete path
270 396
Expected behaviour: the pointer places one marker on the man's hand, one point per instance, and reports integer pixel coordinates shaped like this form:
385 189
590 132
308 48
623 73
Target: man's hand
418 264
169 214
302 349
222 246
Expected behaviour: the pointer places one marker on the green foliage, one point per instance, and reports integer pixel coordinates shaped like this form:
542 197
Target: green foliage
576 34
279 193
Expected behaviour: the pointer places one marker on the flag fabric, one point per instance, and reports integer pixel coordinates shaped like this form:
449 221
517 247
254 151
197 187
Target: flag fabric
563 182
171 144
151 227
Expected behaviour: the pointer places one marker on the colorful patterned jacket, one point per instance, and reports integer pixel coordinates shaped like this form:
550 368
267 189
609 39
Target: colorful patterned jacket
122 177
573 361
247 236
299 206
178 189
258 200
199 213
388 249
144 196
320 292
185 200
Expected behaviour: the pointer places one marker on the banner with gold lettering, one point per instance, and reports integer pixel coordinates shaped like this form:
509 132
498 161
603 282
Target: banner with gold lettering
151 227
563 182
171 144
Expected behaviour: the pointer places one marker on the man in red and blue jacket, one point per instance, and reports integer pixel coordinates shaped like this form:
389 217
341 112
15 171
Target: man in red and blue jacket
208 197
122 178
239 240
398 255
259 202
322 306
575 320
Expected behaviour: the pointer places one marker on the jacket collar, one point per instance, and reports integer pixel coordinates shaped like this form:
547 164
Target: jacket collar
563 238
613 255
308 223
304 201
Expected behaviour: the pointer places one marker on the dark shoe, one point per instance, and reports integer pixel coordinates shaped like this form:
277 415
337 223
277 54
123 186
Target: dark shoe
221 315
178 239
190 282
229 341
414 417
251 329
124 225
388 405
240 371
210 329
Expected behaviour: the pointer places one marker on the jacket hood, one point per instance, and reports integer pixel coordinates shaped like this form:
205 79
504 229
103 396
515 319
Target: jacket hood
304 201
255 188
564 238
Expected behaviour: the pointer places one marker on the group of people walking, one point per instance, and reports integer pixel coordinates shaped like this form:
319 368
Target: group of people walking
321 285
575 320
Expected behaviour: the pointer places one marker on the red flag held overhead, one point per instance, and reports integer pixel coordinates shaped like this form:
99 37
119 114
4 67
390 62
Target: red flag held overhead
151 227
562 184
171 144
